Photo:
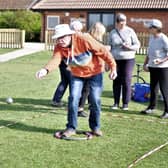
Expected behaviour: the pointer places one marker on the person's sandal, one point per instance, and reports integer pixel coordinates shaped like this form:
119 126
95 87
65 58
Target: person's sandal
97 132
68 133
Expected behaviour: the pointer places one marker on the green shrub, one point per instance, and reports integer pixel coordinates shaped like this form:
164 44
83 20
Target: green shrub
25 20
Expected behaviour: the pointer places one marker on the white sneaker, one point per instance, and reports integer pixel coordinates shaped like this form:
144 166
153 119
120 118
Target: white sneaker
164 115
115 107
147 111
125 107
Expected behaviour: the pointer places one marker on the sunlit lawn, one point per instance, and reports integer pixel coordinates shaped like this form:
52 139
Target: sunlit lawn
27 125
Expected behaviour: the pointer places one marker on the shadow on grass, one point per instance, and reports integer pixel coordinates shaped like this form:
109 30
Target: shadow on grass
107 109
107 93
29 104
23 127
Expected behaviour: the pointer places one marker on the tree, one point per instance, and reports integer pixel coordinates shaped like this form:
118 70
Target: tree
25 20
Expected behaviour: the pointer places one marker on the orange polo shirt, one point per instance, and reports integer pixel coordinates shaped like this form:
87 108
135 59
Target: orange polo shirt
86 58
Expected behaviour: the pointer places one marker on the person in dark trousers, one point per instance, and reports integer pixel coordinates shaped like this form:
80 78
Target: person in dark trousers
124 44
156 63
97 31
77 26
83 99
62 86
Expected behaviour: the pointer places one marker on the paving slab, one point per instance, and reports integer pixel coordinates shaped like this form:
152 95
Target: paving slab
29 48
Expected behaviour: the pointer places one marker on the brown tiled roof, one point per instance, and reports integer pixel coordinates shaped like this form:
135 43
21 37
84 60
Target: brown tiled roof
16 4
101 4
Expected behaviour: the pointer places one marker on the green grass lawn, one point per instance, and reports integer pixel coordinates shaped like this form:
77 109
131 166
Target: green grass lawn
6 50
27 125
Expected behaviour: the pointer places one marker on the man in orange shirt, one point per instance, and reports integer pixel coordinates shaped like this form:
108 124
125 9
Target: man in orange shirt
85 58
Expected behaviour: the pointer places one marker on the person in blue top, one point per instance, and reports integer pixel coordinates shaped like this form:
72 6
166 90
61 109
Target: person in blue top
156 62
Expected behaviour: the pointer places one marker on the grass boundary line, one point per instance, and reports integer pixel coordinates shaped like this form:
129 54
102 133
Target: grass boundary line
24 119
147 154
136 118
117 116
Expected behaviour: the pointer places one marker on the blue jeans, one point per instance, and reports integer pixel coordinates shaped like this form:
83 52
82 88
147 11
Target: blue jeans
96 85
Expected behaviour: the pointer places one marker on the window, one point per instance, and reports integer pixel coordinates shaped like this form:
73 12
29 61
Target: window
94 18
106 18
108 21
52 21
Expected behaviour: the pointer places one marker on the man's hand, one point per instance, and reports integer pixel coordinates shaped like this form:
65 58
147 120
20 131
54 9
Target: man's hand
113 74
41 73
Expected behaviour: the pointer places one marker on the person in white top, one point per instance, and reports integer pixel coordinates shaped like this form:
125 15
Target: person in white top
156 63
124 44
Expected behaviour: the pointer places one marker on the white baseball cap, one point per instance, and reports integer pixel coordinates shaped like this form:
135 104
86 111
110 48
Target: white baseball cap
62 30
155 23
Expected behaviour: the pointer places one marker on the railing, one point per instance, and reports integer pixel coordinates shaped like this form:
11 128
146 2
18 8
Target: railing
12 38
49 43
143 38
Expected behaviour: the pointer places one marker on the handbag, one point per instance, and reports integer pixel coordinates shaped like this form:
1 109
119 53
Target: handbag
141 92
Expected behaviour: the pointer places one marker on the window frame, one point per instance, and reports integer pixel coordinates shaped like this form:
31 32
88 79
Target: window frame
50 17
101 18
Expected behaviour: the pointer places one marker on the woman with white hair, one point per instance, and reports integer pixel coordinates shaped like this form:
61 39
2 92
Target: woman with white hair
76 25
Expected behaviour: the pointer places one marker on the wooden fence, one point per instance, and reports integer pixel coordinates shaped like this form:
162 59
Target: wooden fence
143 38
49 43
12 38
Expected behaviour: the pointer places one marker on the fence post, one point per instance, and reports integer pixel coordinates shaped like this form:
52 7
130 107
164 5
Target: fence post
22 38
46 39
49 42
